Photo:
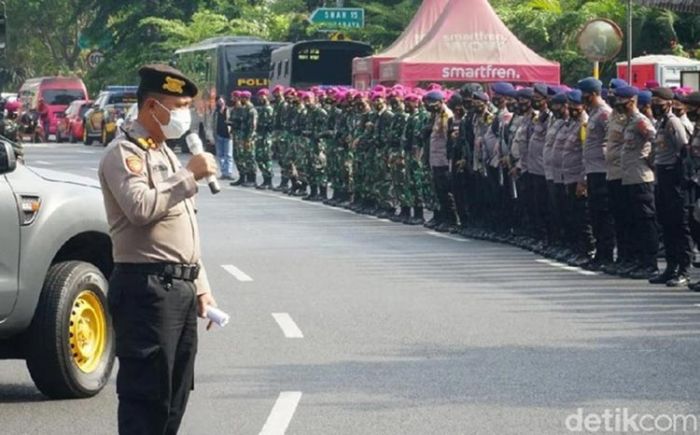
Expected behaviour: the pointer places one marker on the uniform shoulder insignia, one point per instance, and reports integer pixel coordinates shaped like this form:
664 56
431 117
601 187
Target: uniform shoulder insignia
143 144
134 164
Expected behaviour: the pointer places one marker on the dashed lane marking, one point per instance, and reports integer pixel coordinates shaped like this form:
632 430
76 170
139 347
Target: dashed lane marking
282 413
566 267
237 273
289 328
42 162
446 236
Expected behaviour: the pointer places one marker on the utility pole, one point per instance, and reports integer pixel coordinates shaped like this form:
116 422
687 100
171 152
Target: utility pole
629 41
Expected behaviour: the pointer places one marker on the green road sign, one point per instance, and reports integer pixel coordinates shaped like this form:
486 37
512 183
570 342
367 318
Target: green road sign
339 17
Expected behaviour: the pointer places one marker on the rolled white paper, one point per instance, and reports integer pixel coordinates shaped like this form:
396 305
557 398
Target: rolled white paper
217 316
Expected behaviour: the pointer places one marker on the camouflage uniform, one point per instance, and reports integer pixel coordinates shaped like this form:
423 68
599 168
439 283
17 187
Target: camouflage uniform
249 119
263 142
414 187
364 122
297 145
315 152
380 177
397 160
279 138
334 151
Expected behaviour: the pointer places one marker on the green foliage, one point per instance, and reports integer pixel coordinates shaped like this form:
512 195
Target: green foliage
43 34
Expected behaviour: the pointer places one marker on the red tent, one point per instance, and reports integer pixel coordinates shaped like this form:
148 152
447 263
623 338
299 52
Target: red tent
470 43
366 69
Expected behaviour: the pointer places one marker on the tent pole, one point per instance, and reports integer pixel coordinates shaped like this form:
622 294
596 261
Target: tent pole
629 41
596 69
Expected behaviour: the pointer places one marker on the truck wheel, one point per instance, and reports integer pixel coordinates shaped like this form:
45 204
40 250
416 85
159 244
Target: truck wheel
70 342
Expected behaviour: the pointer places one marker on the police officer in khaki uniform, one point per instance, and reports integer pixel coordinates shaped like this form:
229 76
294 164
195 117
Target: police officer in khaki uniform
158 285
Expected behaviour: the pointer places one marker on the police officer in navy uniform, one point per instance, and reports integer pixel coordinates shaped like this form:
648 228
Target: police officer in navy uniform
158 286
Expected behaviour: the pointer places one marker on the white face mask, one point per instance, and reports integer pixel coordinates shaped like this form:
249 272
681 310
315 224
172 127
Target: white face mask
179 124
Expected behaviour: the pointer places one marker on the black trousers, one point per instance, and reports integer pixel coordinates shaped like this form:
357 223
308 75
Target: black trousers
602 222
155 323
540 209
641 217
442 179
460 186
673 216
577 227
554 234
618 209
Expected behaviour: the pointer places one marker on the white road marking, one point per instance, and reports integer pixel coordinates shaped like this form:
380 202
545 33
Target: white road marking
93 169
697 305
85 152
43 162
566 267
237 273
282 413
289 328
445 236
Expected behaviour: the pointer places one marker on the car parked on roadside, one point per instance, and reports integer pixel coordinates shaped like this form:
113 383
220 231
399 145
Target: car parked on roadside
50 97
56 254
110 106
70 127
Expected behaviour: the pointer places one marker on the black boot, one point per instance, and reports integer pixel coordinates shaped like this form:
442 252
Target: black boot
403 216
239 182
322 194
250 181
312 194
417 218
301 189
282 186
665 276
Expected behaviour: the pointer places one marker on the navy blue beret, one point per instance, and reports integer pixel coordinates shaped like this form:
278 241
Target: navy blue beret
502 88
526 93
692 99
626 91
644 98
559 98
574 96
481 96
590 84
618 83
435 96
542 89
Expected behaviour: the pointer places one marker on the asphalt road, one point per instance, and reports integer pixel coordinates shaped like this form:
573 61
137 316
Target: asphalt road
345 324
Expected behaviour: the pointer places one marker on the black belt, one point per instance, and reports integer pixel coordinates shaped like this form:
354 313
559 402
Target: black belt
185 272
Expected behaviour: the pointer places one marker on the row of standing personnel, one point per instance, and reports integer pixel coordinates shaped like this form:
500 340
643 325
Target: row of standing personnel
593 177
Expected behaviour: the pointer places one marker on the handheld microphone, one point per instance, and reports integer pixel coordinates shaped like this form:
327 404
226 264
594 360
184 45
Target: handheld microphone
194 143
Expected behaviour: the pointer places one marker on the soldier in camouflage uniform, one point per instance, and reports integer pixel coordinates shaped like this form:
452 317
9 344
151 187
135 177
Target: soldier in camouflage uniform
396 155
287 139
249 119
379 175
363 128
263 143
298 144
347 153
334 152
314 154
235 119
280 106
414 188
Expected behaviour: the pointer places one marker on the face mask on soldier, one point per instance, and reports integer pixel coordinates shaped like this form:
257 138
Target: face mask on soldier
659 110
524 106
575 112
537 104
694 115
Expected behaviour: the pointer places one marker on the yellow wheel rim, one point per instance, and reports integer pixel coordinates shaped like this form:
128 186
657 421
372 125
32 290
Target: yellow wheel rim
88 331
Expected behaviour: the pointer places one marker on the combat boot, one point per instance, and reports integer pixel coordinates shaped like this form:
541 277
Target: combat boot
267 183
239 182
434 222
681 279
665 276
301 189
322 194
313 193
385 212
417 218
283 185
250 181
403 216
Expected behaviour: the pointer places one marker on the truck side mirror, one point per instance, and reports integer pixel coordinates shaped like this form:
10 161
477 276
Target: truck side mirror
8 160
